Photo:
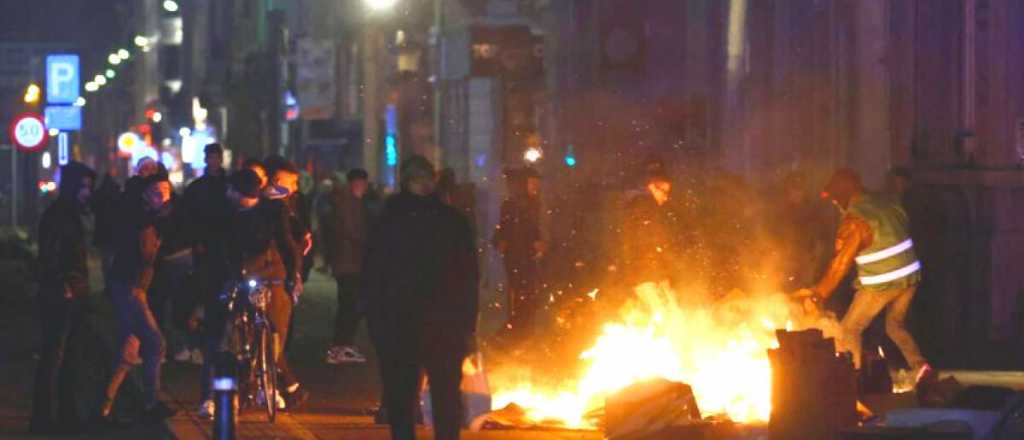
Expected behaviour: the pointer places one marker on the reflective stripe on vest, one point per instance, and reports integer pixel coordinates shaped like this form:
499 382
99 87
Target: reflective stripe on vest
891 276
885 253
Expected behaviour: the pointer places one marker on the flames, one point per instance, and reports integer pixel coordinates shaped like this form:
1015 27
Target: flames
717 346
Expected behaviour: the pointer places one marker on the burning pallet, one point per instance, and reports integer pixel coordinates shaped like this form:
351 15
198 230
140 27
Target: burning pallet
814 391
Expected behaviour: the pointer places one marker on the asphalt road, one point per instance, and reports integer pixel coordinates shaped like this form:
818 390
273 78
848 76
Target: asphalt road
340 407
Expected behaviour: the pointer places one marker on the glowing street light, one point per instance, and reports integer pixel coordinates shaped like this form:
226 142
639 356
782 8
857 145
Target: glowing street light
381 5
141 41
110 73
157 117
123 54
532 154
170 6
32 94
91 86
114 59
80 102
54 132
100 80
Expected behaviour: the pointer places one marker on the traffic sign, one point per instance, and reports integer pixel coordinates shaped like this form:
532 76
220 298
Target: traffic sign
28 132
62 78
63 117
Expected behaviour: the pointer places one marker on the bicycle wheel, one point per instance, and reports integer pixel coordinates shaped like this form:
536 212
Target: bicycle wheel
268 372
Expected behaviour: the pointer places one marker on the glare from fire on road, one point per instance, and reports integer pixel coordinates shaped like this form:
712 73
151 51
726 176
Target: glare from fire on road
717 346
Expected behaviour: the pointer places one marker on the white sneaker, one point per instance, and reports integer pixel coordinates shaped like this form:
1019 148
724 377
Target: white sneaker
207 409
342 355
184 355
196 357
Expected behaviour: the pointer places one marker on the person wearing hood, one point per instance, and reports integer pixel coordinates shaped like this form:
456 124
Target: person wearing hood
135 263
420 294
63 286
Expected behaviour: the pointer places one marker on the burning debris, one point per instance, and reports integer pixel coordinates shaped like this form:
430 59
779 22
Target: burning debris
718 346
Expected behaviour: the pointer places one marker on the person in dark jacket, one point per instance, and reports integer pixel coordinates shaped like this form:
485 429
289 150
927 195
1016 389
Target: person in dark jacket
348 233
261 246
420 290
135 263
104 207
207 215
519 239
63 285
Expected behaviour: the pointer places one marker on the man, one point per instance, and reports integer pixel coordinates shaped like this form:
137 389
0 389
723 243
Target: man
347 248
651 231
800 229
873 233
63 286
207 216
420 284
279 198
135 263
519 239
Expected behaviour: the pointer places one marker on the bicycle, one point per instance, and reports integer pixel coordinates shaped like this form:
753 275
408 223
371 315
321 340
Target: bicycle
250 338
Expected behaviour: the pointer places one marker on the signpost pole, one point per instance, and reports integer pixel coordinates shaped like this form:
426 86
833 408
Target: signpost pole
14 186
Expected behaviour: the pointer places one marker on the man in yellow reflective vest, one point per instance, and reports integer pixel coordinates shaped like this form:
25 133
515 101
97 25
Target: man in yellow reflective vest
874 235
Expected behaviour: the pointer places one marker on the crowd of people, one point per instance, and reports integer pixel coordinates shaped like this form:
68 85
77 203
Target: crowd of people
411 270
409 267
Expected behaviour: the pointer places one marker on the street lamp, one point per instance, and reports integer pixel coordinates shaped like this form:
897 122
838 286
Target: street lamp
91 86
381 5
32 94
171 6
80 101
110 73
141 41
123 54
114 59
100 80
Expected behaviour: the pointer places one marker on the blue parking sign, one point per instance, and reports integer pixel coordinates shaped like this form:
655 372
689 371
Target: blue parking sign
62 77
63 117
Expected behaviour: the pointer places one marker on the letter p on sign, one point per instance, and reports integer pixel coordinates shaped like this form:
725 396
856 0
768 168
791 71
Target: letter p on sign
62 78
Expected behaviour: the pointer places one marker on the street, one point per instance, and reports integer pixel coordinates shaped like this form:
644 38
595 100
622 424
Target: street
340 406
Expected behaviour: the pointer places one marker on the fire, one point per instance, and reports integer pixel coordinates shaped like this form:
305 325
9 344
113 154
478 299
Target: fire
718 347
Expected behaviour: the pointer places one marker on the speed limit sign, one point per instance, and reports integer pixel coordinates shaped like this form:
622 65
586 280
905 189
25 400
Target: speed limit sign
28 132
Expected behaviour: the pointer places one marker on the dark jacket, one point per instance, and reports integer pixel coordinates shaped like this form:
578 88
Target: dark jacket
62 242
519 228
207 211
138 245
420 280
348 233
261 243
105 203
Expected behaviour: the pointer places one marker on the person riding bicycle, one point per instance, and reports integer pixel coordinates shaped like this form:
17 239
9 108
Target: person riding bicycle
262 247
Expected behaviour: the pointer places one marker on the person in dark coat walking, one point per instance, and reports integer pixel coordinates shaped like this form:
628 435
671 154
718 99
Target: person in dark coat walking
348 232
520 240
135 264
420 291
63 286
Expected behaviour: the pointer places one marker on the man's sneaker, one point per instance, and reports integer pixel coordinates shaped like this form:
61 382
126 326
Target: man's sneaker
294 398
196 357
207 409
342 355
184 355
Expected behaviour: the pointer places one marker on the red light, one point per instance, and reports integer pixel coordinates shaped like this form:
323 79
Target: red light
143 129
150 112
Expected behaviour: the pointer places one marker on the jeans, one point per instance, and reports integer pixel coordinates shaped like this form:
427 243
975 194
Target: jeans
347 318
865 307
54 387
138 336
401 380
